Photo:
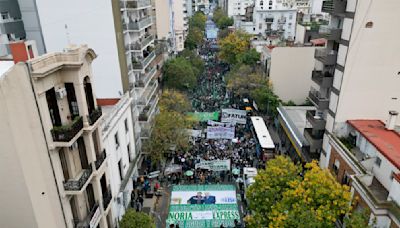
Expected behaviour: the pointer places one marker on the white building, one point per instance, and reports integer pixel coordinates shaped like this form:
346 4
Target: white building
237 8
122 152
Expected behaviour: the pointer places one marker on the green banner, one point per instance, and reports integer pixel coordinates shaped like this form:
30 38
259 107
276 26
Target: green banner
203 116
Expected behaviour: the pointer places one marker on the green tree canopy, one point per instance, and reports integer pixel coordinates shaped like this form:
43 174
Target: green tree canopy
224 22
198 20
267 101
232 46
194 59
180 74
133 219
241 80
194 38
172 100
249 57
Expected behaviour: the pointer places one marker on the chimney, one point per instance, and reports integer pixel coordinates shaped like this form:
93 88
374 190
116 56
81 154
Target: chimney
23 50
392 120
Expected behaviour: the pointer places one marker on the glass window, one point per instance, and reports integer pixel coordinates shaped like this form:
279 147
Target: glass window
126 125
116 140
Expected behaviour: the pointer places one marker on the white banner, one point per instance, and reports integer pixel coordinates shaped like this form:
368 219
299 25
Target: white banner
194 133
220 132
214 165
203 197
214 123
233 115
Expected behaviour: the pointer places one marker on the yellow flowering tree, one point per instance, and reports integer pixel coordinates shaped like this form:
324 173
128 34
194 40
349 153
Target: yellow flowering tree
279 175
233 45
317 201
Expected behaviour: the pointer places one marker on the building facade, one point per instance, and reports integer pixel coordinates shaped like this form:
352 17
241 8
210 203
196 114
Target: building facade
61 166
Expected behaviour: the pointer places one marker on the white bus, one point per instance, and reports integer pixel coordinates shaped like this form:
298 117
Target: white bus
265 146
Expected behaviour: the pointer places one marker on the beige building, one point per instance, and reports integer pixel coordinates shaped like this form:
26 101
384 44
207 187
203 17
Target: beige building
53 165
290 72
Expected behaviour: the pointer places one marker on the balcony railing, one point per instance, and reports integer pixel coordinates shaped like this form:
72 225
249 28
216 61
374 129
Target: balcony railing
328 57
139 45
144 62
269 20
76 185
107 196
148 93
100 159
135 4
95 115
320 101
282 20
316 121
91 219
334 6
145 78
330 33
314 139
139 25
67 132
323 79
148 111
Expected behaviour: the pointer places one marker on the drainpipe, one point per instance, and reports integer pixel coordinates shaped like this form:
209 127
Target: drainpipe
28 66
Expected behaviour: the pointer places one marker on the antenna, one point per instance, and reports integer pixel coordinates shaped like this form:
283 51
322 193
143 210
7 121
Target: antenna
67 35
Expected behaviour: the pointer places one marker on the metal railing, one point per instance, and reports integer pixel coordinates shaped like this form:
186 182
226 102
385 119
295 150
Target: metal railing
107 198
134 4
76 185
139 45
67 132
95 115
326 56
138 25
87 222
334 6
329 32
143 62
148 93
146 77
100 159
318 99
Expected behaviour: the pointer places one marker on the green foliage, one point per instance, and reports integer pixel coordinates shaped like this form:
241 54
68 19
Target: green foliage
180 74
198 20
268 188
233 45
172 100
221 19
358 219
133 219
347 142
241 80
194 39
67 127
195 60
249 57
222 33
266 99
289 103
283 199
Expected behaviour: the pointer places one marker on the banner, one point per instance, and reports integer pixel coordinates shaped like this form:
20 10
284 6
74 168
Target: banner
203 116
194 133
215 165
220 132
214 123
201 206
233 115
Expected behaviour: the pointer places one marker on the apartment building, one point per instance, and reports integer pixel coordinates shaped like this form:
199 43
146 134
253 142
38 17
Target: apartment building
271 19
58 176
366 157
11 25
122 152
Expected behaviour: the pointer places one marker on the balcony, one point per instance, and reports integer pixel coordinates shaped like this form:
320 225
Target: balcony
319 101
107 198
100 159
330 33
145 133
334 6
94 116
145 78
76 185
148 93
316 121
135 4
92 219
269 20
327 57
142 63
314 138
138 25
67 132
323 79
281 20
141 44
149 110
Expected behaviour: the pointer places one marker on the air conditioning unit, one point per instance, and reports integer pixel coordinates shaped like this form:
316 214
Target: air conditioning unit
61 93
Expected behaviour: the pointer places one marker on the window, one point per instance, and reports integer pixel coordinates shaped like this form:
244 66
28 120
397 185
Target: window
116 140
290 16
270 3
121 175
261 3
270 7
128 148
5 15
336 166
378 162
126 125
346 179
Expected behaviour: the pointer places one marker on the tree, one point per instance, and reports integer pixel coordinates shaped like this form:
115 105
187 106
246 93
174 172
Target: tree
250 57
358 219
198 20
195 38
224 22
222 33
268 188
318 199
242 80
133 219
172 100
179 74
194 59
267 101
233 45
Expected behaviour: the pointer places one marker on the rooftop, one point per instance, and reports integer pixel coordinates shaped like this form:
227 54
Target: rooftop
5 66
386 141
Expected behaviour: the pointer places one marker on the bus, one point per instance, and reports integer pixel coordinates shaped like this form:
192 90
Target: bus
265 146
